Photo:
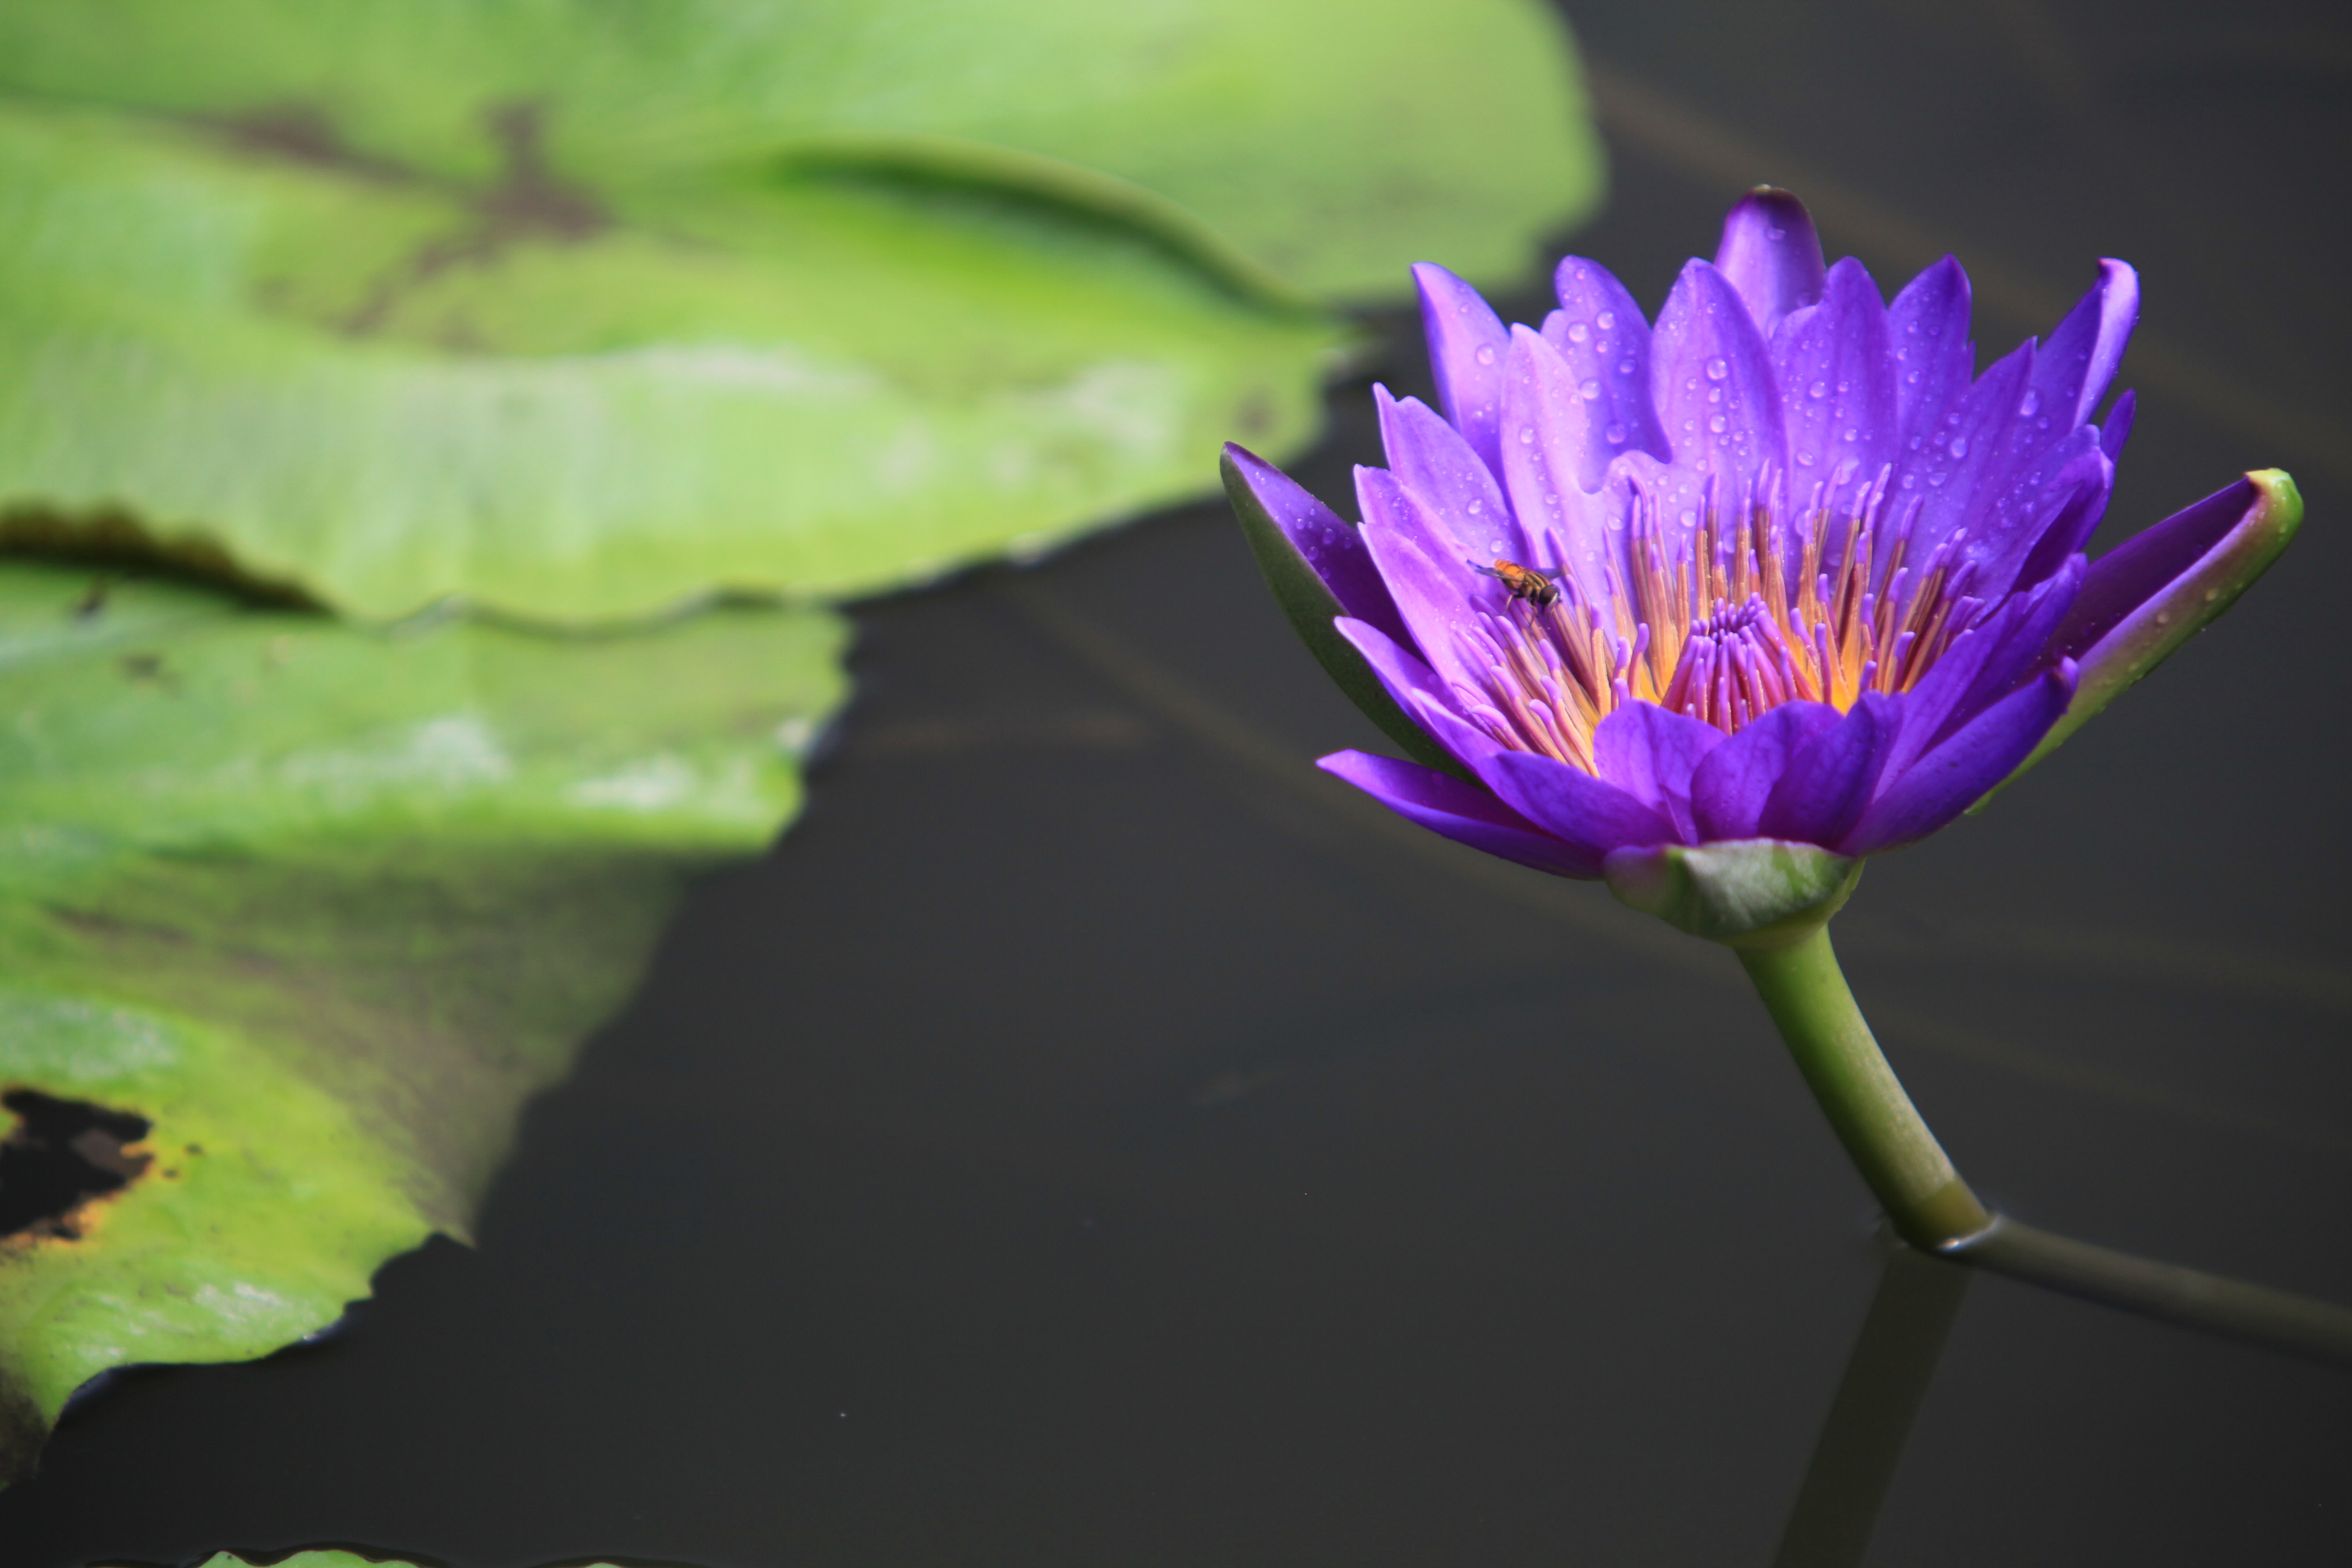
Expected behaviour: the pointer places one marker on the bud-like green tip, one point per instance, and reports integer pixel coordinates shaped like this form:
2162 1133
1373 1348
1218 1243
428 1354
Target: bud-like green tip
1749 893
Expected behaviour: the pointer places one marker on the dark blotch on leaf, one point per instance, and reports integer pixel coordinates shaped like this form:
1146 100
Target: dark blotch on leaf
62 1154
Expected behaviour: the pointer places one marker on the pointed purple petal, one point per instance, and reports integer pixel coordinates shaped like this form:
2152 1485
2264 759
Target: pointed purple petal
1830 778
2149 595
1732 781
1603 336
2118 429
1466 344
2074 498
1714 386
1547 436
1959 451
1417 691
2075 367
1836 371
1770 255
1957 775
1327 544
1651 754
1568 802
1934 361
1463 812
1436 595
1430 458
1984 665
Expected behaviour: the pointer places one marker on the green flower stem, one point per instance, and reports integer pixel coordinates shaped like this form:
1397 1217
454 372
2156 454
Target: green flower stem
1907 1170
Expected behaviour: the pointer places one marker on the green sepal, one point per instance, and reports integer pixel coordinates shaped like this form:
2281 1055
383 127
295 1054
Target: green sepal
1311 608
2148 636
1751 893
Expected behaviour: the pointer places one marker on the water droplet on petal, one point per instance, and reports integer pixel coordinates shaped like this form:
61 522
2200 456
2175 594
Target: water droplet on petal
1615 434
1607 318
1589 390
1912 380
1819 389
1486 353
1474 506
1526 434
1910 481
2033 404
1494 547
1625 368
1579 332
1935 479
1959 446
1804 459
1719 424
1716 369
1715 394
1854 435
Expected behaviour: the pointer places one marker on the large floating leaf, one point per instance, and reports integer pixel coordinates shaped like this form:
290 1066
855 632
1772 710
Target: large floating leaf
1330 141
321 907
388 389
582 309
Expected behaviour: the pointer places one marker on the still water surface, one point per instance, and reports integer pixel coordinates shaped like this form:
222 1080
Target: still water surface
1090 1139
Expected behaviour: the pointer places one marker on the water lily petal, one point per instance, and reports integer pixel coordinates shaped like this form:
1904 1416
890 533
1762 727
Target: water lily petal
2118 429
1437 595
2154 591
1546 430
1732 781
1466 344
2077 364
1416 689
1956 775
1602 333
1770 255
1829 780
1959 451
1324 543
1430 458
2072 485
1836 370
1934 361
1984 665
1462 812
1594 815
1713 385
1651 753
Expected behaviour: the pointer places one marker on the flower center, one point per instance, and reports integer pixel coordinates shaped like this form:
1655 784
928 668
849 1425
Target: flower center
1726 628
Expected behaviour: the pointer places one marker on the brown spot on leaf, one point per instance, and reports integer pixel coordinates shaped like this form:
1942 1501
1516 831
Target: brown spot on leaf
62 1154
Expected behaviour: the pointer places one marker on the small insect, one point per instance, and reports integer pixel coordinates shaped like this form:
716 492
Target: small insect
1533 583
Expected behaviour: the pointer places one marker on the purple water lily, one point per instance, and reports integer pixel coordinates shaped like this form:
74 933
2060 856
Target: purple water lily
1781 567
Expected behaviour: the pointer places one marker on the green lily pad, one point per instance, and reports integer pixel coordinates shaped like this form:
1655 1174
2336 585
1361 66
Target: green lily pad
582 310
303 913
1331 142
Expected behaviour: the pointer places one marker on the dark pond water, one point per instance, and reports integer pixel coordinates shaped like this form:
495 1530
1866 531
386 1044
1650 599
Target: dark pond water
1089 1140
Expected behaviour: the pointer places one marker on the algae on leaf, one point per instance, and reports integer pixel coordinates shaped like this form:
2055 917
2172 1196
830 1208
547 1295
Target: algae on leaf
321 906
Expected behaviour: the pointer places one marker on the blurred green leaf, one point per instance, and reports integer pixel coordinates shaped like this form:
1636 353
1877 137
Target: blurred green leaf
1332 141
582 309
323 906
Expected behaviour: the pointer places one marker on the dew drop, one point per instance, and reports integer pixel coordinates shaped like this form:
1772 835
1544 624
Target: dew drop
1911 379
1625 368
1616 519
1486 353
2043 423
1854 435
2164 617
1615 434
1715 394
1474 506
1690 519
1819 389
1804 459
1579 332
1716 369
1910 481
1959 446
1691 385
1776 234
1607 318
1719 424
1526 434
1843 387
1589 390
2033 404
1935 479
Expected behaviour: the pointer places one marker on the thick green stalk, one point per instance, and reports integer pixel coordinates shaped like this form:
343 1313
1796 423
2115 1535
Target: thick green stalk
1907 1170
